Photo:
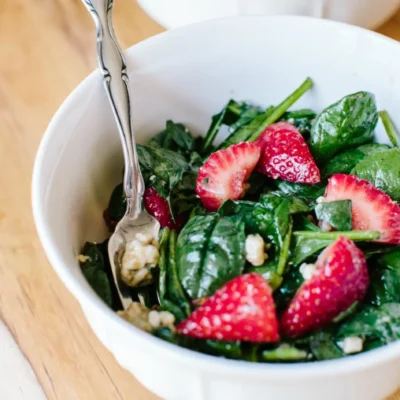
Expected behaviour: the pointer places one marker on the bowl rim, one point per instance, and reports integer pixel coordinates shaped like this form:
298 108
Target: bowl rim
295 371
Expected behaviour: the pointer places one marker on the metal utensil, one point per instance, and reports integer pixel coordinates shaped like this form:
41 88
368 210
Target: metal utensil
113 68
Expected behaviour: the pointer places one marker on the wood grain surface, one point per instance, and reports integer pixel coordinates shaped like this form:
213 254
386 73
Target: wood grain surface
46 49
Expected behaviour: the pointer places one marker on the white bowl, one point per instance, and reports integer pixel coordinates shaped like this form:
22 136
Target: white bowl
365 13
187 75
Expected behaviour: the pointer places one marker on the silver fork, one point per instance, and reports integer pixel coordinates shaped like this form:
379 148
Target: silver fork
113 68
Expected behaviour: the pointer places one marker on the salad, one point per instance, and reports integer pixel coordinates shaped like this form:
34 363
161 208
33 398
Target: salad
279 242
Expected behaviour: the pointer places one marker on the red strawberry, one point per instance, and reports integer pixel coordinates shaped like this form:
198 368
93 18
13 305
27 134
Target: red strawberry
242 309
224 174
372 209
340 279
158 207
286 156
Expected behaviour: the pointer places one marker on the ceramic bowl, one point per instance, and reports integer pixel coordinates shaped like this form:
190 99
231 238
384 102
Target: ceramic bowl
365 13
188 75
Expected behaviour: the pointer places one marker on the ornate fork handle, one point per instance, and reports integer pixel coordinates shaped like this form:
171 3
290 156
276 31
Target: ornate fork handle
113 68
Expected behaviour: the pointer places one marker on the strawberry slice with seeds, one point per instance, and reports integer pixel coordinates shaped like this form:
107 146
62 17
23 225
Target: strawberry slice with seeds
285 155
372 209
242 309
340 278
158 207
223 176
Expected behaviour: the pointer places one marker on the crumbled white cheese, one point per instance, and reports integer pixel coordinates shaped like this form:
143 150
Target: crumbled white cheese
255 250
139 315
307 270
352 344
140 256
320 199
160 319
82 258
325 226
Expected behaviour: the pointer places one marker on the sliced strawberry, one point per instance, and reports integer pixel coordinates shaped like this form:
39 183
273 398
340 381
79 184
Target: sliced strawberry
224 174
285 155
340 279
372 209
242 309
158 207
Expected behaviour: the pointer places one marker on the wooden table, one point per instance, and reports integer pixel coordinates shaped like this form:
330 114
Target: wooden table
46 49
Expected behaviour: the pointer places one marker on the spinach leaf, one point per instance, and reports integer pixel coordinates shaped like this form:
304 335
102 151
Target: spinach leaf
372 148
96 268
381 323
284 294
176 137
269 273
283 353
162 169
343 163
235 115
270 217
323 347
382 170
305 247
244 132
346 313
116 207
183 196
296 204
302 223
248 114
384 279
391 130
308 192
335 213
301 119
210 252
255 127
225 349
347 123
307 243
169 287
258 185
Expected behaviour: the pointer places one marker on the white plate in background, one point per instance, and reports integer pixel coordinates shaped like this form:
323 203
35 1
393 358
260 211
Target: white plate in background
365 13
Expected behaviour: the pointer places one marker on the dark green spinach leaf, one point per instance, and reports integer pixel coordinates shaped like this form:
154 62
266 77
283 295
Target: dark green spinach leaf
305 247
343 163
96 268
348 123
284 294
323 347
232 350
301 119
382 170
176 137
381 323
169 287
308 192
183 196
210 252
161 168
335 213
245 131
384 273
116 207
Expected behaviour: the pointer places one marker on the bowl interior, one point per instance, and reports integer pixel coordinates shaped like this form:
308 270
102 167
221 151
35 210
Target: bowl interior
188 75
